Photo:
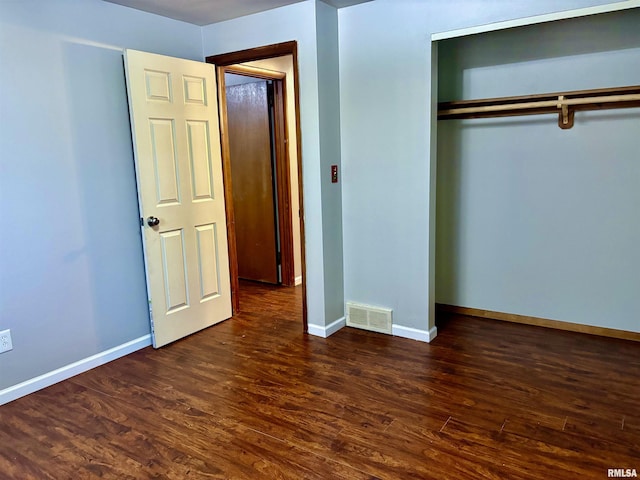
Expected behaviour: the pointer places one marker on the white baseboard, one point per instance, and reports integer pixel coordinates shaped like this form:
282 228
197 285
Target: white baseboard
298 281
29 386
330 329
414 333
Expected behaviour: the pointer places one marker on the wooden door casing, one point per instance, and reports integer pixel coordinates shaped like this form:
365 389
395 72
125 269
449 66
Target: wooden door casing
228 62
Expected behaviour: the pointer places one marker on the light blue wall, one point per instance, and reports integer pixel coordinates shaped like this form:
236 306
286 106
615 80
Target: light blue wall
385 94
532 219
304 22
71 273
329 110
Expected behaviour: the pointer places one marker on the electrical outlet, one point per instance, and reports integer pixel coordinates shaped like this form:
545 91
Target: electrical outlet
5 341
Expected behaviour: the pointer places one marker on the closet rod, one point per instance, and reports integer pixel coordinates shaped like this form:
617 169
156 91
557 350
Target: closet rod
564 104
548 103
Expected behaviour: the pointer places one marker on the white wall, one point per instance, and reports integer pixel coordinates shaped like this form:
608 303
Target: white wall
298 22
385 92
532 219
284 64
71 274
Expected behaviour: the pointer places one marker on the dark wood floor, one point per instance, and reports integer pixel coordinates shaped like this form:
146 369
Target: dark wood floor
254 398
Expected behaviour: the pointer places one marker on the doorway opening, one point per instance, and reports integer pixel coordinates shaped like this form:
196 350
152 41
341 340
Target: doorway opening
261 155
260 178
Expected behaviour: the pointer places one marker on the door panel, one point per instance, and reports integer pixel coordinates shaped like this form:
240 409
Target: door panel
207 243
164 161
200 161
252 181
174 267
176 140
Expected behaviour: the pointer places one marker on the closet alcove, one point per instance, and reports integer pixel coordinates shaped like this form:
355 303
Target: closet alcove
534 220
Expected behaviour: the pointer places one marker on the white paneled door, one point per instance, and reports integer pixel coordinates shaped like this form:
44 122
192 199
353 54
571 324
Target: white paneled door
174 120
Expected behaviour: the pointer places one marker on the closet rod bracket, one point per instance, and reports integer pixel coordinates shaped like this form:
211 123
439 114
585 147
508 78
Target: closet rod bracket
565 117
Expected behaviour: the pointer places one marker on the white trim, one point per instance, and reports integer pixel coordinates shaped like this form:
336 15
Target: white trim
327 331
298 281
549 17
414 333
29 386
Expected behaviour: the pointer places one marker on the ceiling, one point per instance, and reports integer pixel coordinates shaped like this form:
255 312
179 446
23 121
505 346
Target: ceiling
205 12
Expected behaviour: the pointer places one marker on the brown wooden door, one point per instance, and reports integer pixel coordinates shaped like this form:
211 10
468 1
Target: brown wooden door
252 181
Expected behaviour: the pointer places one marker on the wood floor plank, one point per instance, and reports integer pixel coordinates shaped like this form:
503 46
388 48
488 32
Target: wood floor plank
255 398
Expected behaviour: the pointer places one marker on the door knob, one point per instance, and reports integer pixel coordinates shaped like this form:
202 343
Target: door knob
153 221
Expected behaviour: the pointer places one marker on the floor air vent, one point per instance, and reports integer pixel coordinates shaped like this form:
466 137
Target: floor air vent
369 318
